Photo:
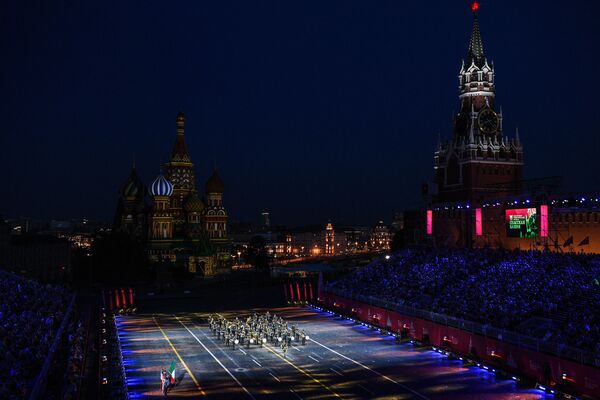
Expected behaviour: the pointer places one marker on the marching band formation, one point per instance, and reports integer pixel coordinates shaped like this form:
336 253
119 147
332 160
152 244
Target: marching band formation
256 330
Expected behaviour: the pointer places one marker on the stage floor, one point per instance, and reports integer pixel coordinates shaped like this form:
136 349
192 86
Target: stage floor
341 359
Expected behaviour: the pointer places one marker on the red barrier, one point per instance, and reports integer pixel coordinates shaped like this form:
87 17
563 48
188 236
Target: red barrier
305 294
130 296
298 291
311 292
291 292
117 298
123 297
543 368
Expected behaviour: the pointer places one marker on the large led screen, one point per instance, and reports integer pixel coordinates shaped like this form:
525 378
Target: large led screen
521 223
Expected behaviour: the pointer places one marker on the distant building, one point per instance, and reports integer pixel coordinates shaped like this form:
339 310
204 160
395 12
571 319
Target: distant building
380 237
171 219
306 243
357 240
329 240
266 220
42 257
398 222
19 226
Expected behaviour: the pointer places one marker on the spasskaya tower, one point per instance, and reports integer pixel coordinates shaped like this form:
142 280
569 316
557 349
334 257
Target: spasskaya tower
479 161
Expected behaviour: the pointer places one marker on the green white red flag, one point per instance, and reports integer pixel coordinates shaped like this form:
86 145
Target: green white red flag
172 371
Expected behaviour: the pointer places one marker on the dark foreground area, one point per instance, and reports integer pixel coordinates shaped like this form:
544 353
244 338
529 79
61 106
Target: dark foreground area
341 359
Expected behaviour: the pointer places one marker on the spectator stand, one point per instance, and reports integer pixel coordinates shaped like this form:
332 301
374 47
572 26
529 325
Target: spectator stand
41 379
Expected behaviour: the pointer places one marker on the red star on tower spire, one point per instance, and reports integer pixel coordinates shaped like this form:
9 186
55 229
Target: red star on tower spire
475 6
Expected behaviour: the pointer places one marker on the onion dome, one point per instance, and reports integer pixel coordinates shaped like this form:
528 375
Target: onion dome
133 187
214 184
161 187
193 204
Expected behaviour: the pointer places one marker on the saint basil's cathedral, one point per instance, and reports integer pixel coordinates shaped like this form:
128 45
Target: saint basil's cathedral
171 220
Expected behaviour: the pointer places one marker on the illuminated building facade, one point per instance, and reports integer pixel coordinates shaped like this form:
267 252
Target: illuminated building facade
171 219
357 240
329 240
380 237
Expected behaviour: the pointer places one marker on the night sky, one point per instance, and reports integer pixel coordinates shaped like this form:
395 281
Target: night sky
311 109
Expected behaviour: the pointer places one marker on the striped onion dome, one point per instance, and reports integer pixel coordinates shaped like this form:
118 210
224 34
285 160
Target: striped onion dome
161 187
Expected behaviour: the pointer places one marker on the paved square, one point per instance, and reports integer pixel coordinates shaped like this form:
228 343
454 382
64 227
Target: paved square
341 359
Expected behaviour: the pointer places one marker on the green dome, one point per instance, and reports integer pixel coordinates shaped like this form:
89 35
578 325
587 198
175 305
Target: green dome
193 204
134 187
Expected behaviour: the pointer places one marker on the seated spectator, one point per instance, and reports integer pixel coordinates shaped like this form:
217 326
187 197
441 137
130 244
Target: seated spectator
496 287
30 315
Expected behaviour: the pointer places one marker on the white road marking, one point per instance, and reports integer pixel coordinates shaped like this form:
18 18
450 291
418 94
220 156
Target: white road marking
276 378
216 359
313 358
336 371
296 394
295 348
256 362
242 351
372 370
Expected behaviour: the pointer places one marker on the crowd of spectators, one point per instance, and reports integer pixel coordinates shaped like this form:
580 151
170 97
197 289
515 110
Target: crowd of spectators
30 315
495 287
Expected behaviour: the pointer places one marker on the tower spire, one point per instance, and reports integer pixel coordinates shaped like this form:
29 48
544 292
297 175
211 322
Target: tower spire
180 121
180 152
475 53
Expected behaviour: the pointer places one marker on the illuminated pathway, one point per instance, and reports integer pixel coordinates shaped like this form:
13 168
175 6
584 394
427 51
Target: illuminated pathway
340 360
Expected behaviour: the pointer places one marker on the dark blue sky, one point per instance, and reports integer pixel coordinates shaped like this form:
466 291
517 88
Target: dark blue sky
312 109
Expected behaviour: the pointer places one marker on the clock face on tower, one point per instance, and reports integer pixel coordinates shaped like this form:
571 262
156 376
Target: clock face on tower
488 121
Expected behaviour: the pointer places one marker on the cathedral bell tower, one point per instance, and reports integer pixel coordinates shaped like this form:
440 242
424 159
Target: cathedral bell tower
215 217
479 161
180 172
